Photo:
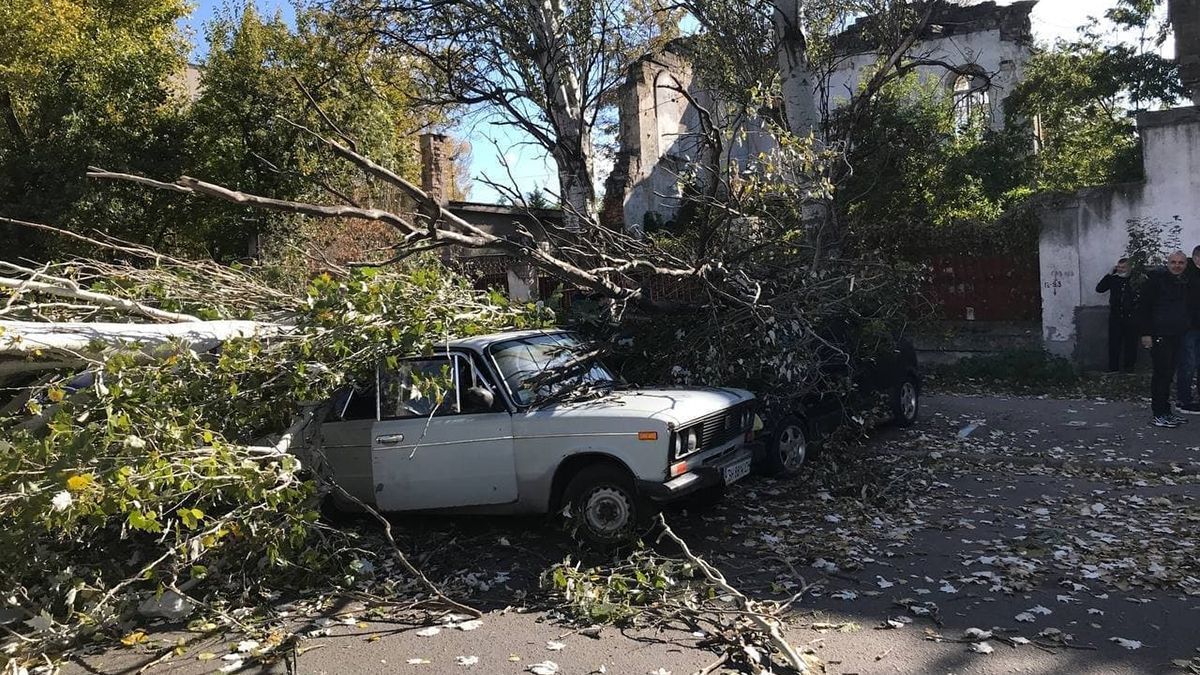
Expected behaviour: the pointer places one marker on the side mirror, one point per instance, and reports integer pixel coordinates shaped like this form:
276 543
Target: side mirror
478 399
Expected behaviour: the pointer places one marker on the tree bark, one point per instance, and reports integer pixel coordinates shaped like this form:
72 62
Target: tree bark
81 339
572 152
9 113
797 79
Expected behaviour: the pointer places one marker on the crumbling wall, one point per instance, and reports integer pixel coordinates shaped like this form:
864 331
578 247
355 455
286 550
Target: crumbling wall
659 128
993 41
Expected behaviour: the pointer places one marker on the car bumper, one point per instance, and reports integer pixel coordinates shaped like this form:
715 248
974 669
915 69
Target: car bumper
699 478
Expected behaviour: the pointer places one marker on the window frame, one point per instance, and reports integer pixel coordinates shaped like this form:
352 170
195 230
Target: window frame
490 353
458 359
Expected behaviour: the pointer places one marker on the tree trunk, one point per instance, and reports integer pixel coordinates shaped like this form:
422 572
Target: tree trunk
797 79
575 184
573 150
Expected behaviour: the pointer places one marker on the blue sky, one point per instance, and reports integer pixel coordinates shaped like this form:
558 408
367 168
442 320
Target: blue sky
530 167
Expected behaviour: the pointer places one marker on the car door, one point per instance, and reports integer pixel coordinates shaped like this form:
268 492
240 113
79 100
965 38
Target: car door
346 439
429 449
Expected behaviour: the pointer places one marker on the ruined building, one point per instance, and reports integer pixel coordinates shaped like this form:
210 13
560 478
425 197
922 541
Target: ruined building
977 52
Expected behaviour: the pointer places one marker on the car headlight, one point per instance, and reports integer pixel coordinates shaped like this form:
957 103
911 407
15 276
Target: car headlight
691 440
677 444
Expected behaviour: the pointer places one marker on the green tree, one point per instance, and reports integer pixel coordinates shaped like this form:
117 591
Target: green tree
1079 96
85 83
920 180
248 121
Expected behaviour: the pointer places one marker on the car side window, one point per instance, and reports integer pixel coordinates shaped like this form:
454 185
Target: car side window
474 384
420 388
361 404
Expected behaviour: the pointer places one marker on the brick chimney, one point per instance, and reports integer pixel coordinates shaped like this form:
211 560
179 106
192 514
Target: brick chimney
435 167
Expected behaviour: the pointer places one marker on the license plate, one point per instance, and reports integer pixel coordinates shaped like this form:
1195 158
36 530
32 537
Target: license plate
735 472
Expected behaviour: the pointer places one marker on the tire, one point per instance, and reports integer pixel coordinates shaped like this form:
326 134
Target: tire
906 402
604 506
789 447
337 511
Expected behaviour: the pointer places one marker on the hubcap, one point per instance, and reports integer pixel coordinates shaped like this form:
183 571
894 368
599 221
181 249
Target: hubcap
908 400
607 510
792 447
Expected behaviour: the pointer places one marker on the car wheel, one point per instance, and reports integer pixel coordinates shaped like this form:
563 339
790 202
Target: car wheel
339 511
788 448
603 505
906 401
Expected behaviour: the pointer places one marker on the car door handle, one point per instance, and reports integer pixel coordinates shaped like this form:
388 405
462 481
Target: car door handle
391 439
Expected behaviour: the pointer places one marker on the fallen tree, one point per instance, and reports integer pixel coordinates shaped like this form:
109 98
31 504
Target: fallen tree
753 298
148 457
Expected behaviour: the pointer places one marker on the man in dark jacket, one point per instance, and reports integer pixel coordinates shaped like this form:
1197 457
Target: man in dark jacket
1164 319
1188 372
1122 324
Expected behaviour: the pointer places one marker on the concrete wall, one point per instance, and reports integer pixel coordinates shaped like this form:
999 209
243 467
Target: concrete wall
1083 234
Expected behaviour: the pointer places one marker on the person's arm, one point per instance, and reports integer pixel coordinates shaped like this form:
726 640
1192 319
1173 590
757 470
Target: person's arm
1105 284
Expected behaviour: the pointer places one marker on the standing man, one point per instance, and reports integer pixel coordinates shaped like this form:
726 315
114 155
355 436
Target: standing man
1188 372
1164 319
1122 324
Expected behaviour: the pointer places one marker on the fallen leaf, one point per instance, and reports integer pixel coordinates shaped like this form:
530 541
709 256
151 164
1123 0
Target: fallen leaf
137 637
982 648
1127 644
544 668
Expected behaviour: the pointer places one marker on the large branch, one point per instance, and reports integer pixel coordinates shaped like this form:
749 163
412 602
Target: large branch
28 337
858 105
74 292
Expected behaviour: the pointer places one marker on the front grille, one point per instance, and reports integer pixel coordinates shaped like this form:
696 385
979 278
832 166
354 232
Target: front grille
720 427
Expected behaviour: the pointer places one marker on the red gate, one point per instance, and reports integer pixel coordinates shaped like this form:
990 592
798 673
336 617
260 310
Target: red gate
985 288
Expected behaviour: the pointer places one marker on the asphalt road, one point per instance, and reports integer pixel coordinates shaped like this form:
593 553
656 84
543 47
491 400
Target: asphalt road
1068 530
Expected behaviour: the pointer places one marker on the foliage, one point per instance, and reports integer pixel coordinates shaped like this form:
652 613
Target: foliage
155 476
250 116
1081 92
545 69
817 316
916 170
1016 367
627 593
86 84
1150 242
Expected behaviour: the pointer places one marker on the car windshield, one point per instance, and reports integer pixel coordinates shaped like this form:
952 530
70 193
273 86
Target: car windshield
543 367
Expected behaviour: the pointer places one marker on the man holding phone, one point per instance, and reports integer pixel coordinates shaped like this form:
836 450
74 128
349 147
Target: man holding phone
1122 322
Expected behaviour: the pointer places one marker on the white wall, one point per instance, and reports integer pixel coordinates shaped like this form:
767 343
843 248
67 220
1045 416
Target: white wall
1084 234
1002 60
